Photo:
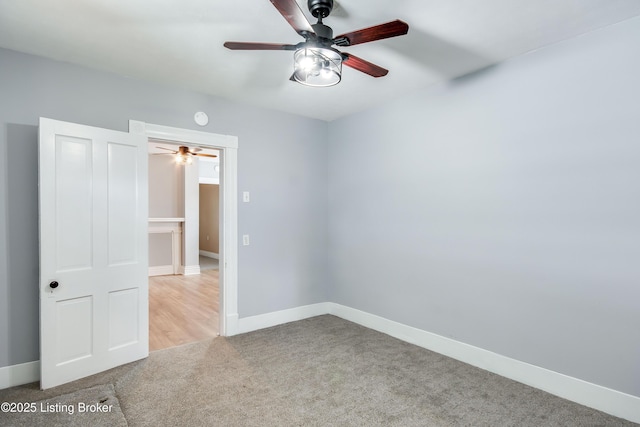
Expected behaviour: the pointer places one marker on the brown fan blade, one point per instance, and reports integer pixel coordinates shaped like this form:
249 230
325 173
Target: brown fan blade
168 149
378 32
204 155
364 66
258 46
294 16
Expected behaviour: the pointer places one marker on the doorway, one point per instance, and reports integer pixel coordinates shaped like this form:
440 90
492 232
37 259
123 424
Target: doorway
227 148
184 223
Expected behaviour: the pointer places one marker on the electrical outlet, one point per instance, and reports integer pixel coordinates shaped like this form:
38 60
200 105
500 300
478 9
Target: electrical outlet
245 197
245 239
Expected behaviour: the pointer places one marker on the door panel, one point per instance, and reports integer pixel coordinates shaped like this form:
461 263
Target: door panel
122 207
123 318
74 318
93 243
73 187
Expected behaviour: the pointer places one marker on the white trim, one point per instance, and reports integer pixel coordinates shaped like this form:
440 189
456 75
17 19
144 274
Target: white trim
209 254
24 373
161 270
190 270
196 137
592 395
228 146
228 242
232 325
261 321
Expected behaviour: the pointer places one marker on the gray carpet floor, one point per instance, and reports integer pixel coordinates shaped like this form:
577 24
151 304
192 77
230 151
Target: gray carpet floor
323 371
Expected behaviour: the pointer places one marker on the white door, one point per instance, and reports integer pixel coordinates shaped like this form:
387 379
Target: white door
93 250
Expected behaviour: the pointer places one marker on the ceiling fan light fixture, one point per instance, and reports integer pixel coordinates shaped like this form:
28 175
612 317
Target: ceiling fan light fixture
183 159
317 66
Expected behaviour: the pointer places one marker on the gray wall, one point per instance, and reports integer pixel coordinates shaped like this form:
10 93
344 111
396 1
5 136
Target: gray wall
166 187
281 160
166 200
503 209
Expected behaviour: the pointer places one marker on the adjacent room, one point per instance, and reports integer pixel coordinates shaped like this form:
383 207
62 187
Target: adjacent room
183 266
419 213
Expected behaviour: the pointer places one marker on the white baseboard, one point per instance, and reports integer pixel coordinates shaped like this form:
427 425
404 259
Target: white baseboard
601 398
210 254
25 373
161 270
261 321
189 270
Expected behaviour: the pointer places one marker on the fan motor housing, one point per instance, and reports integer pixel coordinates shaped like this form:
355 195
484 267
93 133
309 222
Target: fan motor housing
320 8
323 31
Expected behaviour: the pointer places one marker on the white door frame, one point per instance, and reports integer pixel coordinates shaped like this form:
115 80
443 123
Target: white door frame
228 147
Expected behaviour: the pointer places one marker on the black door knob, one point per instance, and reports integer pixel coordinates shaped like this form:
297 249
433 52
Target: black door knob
53 284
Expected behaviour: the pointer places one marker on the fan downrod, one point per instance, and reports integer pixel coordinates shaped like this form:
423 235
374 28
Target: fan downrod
320 8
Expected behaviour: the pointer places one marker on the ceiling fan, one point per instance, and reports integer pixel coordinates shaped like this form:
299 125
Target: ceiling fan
316 62
184 154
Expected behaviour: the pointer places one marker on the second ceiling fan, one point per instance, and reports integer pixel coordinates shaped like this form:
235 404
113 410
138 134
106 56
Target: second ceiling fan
184 154
316 61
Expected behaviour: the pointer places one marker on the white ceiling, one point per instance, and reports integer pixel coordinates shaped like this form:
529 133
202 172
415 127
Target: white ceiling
180 42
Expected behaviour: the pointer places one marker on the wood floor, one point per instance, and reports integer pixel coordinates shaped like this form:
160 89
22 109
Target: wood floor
182 309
